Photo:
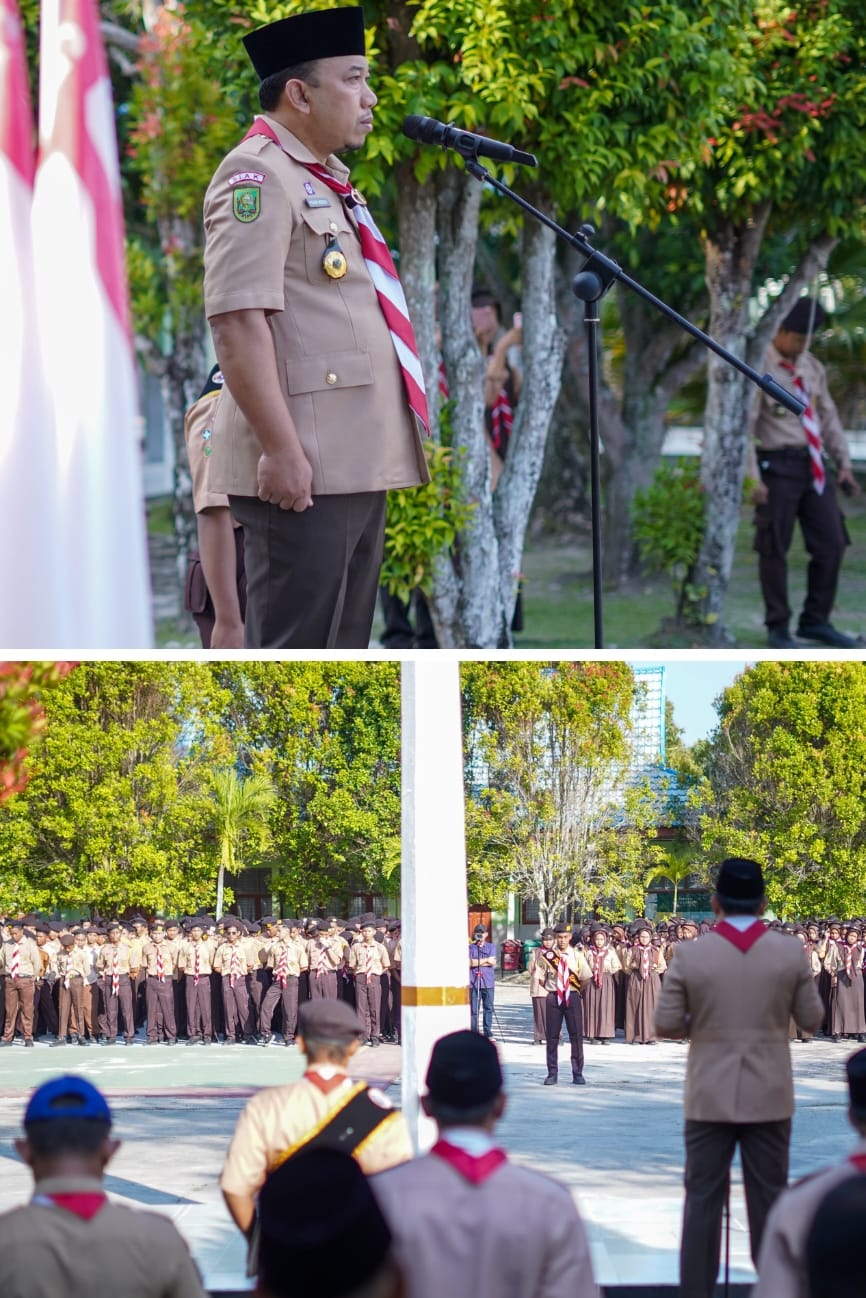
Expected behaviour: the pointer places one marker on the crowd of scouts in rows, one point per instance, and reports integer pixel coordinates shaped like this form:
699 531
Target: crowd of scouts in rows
620 969
197 980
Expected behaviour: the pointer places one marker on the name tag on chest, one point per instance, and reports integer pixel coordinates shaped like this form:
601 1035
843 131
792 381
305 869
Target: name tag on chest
317 202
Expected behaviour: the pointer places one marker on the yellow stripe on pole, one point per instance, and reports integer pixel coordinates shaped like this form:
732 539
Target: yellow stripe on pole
434 995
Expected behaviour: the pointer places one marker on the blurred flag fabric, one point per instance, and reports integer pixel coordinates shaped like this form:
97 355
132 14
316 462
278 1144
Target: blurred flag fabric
86 341
29 579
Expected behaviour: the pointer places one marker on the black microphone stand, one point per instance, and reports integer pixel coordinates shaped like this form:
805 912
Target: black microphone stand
590 284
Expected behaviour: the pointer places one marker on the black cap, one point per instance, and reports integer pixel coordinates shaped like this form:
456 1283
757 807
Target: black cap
805 315
546 933
299 1242
561 928
464 1070
322 34
479 928
327 1020
741 879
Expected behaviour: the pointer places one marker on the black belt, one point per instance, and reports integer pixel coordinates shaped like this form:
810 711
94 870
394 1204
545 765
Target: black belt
784 453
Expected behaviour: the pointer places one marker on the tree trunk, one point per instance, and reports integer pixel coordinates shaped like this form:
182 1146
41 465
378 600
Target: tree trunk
543 351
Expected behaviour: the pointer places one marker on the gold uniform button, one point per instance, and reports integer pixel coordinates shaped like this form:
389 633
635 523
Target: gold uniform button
330 377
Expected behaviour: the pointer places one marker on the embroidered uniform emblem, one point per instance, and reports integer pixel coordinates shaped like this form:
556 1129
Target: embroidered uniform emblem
308 188
334 262
247 178
207 435
247 203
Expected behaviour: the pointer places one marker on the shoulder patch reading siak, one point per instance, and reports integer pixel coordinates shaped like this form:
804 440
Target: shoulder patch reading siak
247 203
246 178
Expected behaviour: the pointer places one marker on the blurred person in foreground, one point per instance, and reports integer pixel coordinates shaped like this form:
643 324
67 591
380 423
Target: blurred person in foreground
782 1260
322 1232
465 1220
70 1241
834 1246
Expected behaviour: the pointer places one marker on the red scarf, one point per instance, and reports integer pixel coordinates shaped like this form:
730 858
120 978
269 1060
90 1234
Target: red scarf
83 1204
474 1169
743 941
598 959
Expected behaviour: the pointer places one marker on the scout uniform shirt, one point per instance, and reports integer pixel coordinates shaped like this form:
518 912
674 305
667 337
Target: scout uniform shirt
268 224
125 958
325 954
160 957
72 961
29 958
289 956
232 959
369 958
774 428
205 948
577 964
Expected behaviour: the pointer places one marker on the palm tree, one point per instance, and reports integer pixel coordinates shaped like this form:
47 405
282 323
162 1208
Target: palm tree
239 802
676 869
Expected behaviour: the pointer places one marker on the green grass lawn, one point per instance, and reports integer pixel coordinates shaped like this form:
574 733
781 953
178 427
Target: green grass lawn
557 596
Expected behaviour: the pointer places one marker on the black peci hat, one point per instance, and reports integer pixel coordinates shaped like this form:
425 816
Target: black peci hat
464 1070
805 316
740 879
322 34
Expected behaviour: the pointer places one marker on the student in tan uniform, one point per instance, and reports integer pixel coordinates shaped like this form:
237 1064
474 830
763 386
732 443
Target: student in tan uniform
368 960
160 959
314 426
732 993
394 947
782 1261
644 964
538 986
599 997
70 1239
44 1008
73 969
114 962
230 961
195 962
22 964
287 958
466 1220
326 1103
325 957
566 973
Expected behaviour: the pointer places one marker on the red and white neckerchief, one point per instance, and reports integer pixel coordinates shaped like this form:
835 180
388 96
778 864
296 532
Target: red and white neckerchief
197 965
599 956
68 979
742 939
368 961
283 967
645 953
83 1204
501 420
859 1161
811 428
383 273
475 1169
322 962
160 968
115 973
444 390
234 967
563 980
15 962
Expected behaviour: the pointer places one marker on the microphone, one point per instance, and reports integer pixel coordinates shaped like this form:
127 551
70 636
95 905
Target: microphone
428 131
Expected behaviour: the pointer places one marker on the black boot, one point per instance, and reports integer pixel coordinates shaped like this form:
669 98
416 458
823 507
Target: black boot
550 1079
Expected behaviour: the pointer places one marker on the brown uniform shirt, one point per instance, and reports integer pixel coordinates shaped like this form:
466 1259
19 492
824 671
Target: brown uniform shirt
295 952
774 428
29 958
46 1251
372 958
126 962
329 950
224 957
198 434
336 363
577 964
186 956
152 951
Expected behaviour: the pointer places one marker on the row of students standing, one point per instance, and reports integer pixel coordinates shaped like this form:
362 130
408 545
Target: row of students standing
203 981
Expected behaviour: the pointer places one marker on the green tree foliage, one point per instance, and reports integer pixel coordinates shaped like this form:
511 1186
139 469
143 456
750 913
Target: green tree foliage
545 748
787 773
22 718
668 519
111 816
242 807
329 735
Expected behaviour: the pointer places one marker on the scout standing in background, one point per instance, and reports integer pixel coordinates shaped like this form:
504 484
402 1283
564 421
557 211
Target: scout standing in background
566 971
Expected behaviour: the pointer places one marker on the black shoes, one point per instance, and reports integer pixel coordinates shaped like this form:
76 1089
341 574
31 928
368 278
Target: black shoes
579 1080
30 1042
550 1079
60 1041
267 1038
827 634
779 637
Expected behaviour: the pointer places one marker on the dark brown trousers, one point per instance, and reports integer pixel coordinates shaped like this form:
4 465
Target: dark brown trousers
324 988
44 1008
122 1002
572 1016
710 1149
539 1016
198 1006
71 1002
312 577
368 996
238 1007
792 499
287 997
19 996
160 1009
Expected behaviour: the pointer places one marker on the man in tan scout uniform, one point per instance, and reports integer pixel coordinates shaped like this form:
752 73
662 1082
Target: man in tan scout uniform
287 957
195 961
73 969
22 965
368 960
116 963
315 404
782 1260
326 1108
732 992
159 956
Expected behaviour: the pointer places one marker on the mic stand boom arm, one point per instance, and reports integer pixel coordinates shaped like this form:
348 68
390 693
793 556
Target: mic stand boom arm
590 284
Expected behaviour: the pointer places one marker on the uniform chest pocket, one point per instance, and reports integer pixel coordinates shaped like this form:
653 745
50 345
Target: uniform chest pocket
321 227
329 372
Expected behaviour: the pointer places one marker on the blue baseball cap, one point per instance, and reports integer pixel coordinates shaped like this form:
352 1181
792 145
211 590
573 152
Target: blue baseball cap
67 1097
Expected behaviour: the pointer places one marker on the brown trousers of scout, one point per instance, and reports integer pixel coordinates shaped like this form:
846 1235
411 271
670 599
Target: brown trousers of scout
238 1008
71 1002
160 1009
324 988
313 576
19 997
116 1005
199 1021
368 995
709 1150
288 999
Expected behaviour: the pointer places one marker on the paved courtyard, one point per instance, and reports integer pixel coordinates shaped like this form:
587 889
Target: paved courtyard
617 1142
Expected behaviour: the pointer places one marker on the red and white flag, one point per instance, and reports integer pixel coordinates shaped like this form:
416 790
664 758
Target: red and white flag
28 590
86 341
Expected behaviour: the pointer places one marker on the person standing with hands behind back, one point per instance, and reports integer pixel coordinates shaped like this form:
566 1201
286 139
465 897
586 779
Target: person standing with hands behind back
786 460
482 978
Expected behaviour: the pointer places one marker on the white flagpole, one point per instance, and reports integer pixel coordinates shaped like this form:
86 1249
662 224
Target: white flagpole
434 917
